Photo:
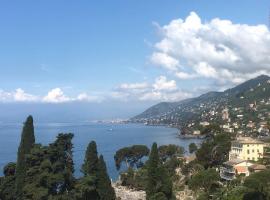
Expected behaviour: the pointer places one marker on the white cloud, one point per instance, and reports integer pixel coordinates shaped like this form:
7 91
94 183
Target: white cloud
162 84
161 90
21 96
205 70
164 60
184 75
219 49
168 96
87 98
133 86
5 96
56 95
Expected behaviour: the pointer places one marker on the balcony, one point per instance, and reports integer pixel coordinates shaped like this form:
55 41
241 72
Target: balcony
227 170
227 173
226 176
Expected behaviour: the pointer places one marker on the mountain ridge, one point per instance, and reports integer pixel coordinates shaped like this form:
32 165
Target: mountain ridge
210 99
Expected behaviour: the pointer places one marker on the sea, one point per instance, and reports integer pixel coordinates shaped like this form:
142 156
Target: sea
109 138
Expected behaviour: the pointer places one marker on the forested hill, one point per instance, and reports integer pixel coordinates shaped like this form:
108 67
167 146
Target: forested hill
178 112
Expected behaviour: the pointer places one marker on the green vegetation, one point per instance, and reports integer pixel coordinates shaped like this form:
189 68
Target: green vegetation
90 165
104 188
132 156
26 144
192 148
159 184
169 151
46 172
248 104
205 179
214 150
258 184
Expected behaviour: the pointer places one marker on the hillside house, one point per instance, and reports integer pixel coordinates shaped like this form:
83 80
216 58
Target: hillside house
246 148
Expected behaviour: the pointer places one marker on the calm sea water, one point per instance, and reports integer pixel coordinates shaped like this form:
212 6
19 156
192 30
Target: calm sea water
109 138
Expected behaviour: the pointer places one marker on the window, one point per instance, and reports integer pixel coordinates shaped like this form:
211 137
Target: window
258 150
247 151
253 158
252 150
248 158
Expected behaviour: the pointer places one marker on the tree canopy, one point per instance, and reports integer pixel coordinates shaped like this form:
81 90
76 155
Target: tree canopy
132 156
192 148
159 183
204 180
168 151
214 151
90 165
46 172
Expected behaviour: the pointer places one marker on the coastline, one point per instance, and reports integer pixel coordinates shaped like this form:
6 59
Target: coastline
179 134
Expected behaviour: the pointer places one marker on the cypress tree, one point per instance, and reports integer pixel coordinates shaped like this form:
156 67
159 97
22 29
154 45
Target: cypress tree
104 187
27 142
158 180
90 165
152 170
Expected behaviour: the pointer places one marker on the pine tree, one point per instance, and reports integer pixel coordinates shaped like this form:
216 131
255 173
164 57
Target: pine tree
90 165
158 180
104 187
27 142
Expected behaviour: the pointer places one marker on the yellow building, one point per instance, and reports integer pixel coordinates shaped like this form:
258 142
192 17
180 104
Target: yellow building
247 148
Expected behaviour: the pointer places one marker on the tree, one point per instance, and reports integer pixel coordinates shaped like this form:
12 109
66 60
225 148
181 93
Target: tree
104 187
204 179
152 166
212 128
159 196
192 147
61 156
26 144
214 151
7 183
158 180
50 170
169 151
9 169
132 156
85 189
258 183
90 165
134 179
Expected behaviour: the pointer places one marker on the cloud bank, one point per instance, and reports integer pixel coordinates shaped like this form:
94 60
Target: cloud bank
219 50
55 95
160 90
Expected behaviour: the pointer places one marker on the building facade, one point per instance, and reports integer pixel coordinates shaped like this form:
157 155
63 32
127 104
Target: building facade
230 169
247 149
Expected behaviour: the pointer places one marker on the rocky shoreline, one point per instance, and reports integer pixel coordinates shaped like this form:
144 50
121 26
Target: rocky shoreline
124 193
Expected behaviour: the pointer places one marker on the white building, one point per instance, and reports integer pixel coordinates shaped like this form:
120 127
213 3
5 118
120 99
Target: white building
246 148
231 168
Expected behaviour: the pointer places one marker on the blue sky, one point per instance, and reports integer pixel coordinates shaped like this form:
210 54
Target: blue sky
100 51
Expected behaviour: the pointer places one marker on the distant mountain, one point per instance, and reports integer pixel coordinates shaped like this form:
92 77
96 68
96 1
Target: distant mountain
248 85
190 109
